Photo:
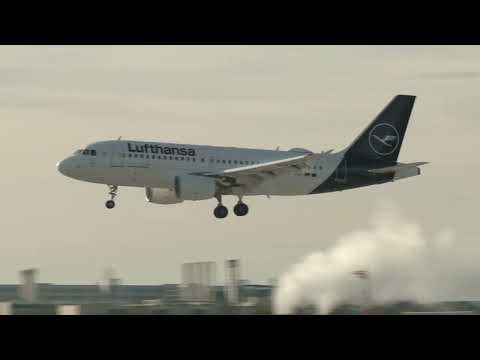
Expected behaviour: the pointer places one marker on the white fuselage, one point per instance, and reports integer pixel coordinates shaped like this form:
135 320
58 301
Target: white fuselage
155 165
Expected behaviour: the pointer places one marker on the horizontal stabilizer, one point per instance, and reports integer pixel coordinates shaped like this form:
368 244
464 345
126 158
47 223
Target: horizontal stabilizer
399 166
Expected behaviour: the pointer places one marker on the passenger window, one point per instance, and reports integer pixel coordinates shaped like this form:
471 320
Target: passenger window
171 157
135 155
129 155
203 160
193 159
229 161
218 161
147 156
176 158
224 161
241 162
85 152
181 158
93 152
188 159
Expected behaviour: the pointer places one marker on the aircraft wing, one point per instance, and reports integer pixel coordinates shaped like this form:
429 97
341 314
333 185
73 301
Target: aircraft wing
258 172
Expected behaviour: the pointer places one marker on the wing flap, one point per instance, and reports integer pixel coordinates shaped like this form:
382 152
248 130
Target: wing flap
259 172
269 168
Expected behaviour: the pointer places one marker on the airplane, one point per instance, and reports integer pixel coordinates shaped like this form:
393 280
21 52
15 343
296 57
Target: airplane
174 173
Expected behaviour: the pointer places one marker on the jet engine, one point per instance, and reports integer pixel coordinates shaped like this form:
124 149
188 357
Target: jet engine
185 187
163 196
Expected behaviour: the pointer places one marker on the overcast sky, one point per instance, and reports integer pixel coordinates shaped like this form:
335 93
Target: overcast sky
55 99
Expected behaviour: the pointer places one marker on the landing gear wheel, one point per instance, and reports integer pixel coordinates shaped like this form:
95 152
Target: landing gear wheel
110 204
220 212
240 209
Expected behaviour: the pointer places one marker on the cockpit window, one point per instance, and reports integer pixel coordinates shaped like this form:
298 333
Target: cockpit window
86 152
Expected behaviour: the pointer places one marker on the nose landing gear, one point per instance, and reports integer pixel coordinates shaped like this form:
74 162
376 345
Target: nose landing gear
110 204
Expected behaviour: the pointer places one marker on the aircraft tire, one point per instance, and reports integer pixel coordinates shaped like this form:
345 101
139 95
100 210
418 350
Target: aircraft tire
240 209
220 212
110 204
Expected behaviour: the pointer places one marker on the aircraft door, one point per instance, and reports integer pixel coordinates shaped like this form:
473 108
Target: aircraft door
117 158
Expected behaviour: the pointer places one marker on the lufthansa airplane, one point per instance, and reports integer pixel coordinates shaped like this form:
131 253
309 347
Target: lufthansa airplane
173 173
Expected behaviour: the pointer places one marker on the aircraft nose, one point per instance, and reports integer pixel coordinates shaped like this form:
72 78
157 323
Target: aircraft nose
64 166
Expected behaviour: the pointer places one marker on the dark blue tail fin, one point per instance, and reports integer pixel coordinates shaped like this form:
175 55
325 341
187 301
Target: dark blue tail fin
381 141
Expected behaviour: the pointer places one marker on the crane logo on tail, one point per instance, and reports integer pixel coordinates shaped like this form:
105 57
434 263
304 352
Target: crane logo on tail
384 139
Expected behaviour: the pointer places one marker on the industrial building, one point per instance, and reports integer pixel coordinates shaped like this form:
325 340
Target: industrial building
197 294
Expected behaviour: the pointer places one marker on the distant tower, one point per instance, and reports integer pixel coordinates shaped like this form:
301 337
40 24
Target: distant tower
197 281
367 298
110 284
232 281
28 286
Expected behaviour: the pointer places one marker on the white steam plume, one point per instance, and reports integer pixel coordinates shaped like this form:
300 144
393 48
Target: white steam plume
404 265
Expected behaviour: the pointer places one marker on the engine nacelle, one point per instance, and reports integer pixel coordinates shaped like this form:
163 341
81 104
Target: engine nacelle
191 187
185 187
162 196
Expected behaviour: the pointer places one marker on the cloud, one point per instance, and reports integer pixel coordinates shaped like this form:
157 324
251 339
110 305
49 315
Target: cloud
403 263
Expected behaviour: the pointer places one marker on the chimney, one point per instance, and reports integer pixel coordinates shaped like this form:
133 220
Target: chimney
28 286
232 281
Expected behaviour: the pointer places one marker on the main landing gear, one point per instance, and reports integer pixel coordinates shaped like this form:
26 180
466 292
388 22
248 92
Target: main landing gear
220 212
240 209
110 204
